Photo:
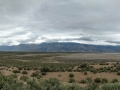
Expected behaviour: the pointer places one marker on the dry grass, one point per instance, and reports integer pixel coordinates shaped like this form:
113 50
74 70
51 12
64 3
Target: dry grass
91 56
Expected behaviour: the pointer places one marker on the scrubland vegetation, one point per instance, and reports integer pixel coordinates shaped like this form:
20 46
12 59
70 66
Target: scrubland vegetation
53 71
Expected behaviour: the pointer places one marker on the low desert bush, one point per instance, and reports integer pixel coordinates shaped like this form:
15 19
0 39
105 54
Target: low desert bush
114 80
34 74
83 65
71 80
73 87
24 72
71 75
45 69
23 78
104 80
83 81
97 80
115 86
118 73
85 73
43 73
16 71
20 68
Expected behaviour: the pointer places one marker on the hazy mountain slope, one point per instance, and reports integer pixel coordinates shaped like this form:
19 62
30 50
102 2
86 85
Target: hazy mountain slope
61 47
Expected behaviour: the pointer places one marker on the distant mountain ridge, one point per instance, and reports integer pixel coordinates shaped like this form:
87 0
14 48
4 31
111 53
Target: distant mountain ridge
60 47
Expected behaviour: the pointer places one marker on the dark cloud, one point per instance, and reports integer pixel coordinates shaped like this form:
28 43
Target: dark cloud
114 42
88 21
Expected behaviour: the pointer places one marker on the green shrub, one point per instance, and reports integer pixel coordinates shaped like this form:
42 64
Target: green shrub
97 80
14 75
104 80
94 71
106 63
16 71
118 68
69 69
102 64
24 72
39 77
118 73
92 86
89 80
23 78
51 84
114 80
28 68
83 65
20 68
117 62
35 68
45 69
73 87
43 73
71 75
83 81
34 74
32 85
9 83
115 86
85 73
71 80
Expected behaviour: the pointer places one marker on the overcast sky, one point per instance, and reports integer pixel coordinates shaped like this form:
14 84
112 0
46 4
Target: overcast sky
83 21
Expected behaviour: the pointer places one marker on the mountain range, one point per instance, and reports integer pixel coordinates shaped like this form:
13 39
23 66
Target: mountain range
61 47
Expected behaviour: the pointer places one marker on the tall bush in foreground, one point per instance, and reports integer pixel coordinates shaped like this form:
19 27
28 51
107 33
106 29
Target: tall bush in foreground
73 87
9 83
115 86
92 86
114 80
51 84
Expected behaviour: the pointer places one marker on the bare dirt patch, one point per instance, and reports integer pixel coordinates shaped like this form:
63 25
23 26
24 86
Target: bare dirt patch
5 72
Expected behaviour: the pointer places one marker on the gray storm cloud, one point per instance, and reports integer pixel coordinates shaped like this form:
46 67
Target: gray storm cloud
37 21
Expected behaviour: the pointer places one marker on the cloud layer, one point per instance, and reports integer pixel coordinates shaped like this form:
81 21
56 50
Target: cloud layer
37 21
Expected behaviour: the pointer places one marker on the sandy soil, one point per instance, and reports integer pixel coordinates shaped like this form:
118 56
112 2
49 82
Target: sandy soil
64 76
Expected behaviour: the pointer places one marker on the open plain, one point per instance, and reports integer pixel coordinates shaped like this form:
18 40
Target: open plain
88 71
61 65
